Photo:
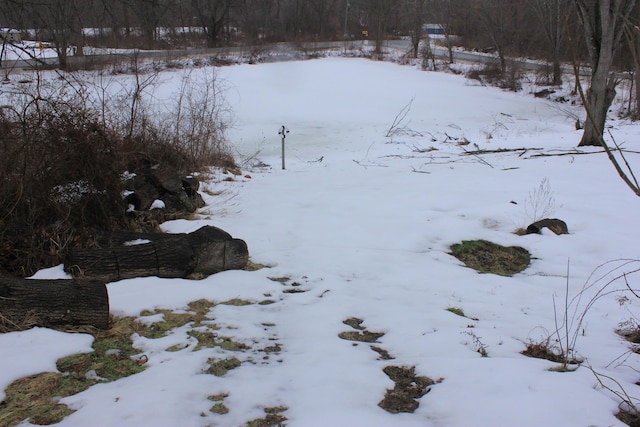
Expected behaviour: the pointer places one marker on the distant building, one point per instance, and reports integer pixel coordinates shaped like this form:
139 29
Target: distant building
10 35
433 30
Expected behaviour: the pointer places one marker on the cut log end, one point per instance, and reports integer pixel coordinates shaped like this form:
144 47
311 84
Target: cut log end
59 304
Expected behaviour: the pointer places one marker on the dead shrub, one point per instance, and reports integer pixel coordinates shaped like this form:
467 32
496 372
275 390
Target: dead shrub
492 75
64 155
58 185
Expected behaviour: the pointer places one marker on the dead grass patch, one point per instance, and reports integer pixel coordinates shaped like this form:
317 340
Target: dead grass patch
363 336
630 418
384 354
32 398
255 266
630 331
360 334
273 418
197 314
294 291
111 359
220 367
520 231
488 257
238 302
544 350
219 408
354 322
408 388
226 343
206 339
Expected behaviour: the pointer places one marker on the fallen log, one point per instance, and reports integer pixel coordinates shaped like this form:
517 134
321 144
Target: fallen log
25 303
195 255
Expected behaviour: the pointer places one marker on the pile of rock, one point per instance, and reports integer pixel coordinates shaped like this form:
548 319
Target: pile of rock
153 185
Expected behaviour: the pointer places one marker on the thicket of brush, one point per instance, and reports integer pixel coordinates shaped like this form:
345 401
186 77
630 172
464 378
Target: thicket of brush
65 153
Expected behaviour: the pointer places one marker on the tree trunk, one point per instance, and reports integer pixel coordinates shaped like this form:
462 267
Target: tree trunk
449 47
599 98
636 112
600 94
170 259
557 71
603 22
25 303
380 12
196 255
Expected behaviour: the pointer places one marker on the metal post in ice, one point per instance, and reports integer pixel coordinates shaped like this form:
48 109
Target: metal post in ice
283 133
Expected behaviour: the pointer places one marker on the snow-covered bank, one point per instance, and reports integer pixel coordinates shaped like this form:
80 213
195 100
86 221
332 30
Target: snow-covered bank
362 223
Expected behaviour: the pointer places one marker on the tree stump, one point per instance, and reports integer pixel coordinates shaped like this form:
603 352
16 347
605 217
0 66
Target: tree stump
206 251
25 303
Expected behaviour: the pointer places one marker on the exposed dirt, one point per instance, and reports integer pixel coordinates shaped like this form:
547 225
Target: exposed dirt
360 334
274 418
408 389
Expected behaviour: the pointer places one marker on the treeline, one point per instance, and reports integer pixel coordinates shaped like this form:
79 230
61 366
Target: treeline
539 28
603 34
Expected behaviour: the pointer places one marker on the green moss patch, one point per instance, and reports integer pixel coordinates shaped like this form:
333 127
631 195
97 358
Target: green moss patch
488 257
457 311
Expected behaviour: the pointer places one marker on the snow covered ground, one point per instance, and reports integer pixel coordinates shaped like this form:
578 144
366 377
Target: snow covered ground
28 50
362 223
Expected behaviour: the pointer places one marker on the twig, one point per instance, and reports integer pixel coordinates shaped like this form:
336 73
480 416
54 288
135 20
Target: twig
624 159
501 150
419 171
626 282
478 157
397 126
370 164
622 394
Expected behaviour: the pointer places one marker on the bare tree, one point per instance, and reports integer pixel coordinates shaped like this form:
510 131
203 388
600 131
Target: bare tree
632 35
551 16
57 21
212 16
603 22
150 15
415 12
380 13
258 18
443 12
501 20
322 12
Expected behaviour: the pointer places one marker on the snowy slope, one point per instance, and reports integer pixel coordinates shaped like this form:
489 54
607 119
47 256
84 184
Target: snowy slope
363 223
